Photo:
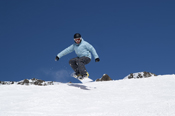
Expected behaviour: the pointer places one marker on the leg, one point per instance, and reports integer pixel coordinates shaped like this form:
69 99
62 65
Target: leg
73 64
81 65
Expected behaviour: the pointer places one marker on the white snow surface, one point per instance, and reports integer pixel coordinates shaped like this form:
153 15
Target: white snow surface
132 97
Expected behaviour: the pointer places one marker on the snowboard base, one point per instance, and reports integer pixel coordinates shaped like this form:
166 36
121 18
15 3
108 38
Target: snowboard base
84 80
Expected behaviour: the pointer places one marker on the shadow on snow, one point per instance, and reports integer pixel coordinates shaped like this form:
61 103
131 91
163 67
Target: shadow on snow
79 86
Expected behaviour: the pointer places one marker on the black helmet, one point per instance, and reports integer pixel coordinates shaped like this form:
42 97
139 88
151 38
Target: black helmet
77 35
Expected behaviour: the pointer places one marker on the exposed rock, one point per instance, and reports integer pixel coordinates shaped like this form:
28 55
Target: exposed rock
130 76
32 81
50 83
12 82
5 83
19 83
148 74
105 77
140 75
98 80
38 82
26 81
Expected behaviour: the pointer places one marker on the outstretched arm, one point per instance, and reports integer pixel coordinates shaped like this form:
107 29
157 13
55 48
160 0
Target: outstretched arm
66 51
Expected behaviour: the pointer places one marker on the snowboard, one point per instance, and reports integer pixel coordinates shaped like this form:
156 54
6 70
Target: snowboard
84 80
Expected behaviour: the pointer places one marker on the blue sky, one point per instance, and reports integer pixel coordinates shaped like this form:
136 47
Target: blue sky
129 36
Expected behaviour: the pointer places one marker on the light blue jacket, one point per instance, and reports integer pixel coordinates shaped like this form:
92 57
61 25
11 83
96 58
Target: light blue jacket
82 49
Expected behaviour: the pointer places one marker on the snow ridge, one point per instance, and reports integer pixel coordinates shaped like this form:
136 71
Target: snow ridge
140 75
32 81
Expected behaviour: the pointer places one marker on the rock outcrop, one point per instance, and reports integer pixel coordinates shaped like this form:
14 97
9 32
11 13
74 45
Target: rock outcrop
32 81
140 75
105 77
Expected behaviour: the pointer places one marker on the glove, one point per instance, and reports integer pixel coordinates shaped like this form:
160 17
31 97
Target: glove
97 60
57 58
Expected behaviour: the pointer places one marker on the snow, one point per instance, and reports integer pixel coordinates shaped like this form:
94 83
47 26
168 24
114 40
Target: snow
128 97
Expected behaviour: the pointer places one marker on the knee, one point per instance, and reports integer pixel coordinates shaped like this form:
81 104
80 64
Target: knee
71 61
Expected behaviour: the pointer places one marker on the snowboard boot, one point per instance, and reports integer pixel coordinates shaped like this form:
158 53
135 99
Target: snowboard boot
83 76
75 75
87 74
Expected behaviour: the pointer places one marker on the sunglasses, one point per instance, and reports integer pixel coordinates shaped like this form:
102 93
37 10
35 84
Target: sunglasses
77 39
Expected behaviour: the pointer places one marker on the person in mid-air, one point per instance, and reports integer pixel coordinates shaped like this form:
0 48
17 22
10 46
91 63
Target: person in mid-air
82 49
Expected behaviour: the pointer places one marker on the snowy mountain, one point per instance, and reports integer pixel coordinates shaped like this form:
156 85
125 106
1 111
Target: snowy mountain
140 75
105 77
127 97
32 81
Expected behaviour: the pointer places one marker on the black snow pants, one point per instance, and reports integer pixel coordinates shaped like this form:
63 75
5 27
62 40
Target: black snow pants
78 65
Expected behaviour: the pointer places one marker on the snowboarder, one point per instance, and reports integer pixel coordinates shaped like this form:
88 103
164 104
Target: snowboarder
82 49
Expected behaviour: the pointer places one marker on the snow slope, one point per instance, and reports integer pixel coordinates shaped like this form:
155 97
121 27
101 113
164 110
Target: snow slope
135 97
